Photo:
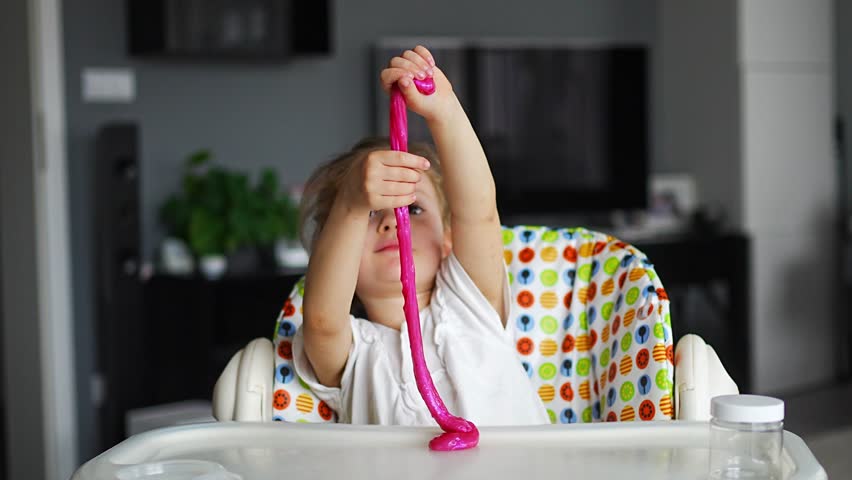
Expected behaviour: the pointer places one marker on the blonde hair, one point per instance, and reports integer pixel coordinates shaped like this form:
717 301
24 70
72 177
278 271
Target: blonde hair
322 187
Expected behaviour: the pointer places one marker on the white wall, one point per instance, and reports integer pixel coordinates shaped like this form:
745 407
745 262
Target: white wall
790 188
747 109
21 361
38 373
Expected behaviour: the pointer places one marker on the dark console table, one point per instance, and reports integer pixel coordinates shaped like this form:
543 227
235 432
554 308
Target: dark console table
716 269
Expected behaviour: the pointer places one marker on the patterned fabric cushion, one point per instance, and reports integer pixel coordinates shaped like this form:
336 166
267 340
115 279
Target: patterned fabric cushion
590 320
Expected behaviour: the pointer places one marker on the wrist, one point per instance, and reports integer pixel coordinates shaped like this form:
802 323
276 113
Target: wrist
446 115
348 206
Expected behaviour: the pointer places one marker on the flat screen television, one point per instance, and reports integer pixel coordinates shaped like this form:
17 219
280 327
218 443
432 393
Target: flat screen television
564 124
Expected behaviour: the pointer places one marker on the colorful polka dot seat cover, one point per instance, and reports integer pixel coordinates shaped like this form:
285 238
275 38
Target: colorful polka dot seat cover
591 325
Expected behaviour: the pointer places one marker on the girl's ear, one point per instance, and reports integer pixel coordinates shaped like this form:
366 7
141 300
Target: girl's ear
447 244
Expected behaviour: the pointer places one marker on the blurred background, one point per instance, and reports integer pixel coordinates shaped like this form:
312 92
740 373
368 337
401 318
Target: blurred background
152 154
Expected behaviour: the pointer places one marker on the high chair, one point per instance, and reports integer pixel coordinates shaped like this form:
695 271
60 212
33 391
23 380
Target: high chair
591 324
590 321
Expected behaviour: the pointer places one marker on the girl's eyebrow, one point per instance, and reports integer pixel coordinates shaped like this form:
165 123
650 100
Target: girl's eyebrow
421 191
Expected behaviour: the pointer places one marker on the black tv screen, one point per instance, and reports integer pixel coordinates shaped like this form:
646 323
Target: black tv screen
565 127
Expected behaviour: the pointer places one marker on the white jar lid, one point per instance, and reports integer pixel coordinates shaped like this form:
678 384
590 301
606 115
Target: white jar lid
747 408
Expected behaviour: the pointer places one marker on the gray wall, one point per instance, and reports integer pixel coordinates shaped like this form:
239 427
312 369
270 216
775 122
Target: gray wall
291 116
699 128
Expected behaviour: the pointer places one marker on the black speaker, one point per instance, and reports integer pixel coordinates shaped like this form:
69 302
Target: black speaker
118 285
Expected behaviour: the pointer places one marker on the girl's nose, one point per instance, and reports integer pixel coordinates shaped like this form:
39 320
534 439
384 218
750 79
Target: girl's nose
388 221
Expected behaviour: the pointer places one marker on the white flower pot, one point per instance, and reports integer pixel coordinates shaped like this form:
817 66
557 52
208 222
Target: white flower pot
290 254
175 257
213 266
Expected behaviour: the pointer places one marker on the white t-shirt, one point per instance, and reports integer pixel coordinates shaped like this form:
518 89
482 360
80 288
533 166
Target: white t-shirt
470 355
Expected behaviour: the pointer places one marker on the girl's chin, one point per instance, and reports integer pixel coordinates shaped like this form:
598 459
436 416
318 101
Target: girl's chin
387 267
388 271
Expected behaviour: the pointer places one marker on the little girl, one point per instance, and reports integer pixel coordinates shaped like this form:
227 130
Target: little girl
361 367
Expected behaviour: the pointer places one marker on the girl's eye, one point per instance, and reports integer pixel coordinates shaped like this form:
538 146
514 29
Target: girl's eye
414 209
372 213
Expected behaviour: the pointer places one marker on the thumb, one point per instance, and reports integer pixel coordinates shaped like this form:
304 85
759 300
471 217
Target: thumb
415 95
408 89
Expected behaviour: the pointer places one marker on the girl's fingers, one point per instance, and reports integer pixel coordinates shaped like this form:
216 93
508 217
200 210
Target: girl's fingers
408 65
422 64
425 53
382 202
412 63
391 158
401 200
391 75
401 174
395 189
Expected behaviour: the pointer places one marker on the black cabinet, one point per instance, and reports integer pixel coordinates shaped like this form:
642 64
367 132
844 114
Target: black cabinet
228 29
707 279
172 342
193 326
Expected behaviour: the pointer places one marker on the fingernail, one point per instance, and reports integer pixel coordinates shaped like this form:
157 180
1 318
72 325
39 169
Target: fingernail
410 75
432 61
431 72
421 75
405 82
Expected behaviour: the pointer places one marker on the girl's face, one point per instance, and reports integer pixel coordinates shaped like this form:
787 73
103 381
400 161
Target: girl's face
378 275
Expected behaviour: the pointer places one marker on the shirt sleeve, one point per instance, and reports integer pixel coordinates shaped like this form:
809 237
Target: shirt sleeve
455 288
333 396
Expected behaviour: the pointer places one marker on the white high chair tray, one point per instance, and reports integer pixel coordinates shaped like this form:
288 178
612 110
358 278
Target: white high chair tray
229 451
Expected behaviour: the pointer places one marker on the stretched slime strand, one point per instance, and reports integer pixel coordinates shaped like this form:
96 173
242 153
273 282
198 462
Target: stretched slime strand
459 433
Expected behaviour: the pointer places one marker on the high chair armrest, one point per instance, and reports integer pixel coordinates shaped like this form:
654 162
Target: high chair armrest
699 376
244 389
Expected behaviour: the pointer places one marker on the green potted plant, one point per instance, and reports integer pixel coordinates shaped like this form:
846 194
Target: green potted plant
219 213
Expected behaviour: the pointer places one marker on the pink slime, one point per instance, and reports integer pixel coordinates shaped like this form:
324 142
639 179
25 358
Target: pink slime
460 433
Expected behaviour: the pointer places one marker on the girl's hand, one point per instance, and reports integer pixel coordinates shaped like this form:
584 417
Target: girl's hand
384 179
419 63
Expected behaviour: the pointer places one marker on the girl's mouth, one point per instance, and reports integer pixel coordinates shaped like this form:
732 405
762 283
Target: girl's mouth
388 246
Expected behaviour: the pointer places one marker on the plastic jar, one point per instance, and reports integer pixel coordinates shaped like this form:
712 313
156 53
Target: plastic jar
746 437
